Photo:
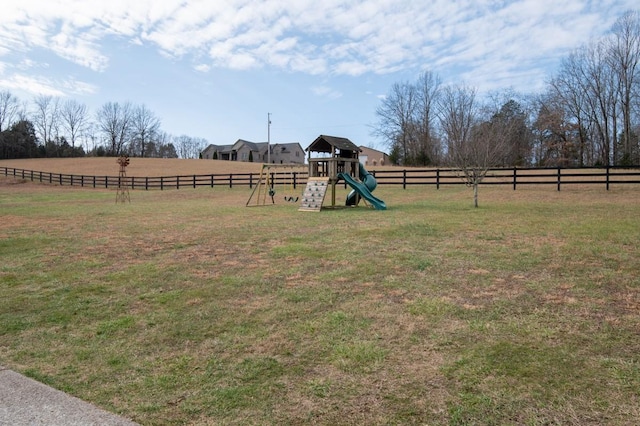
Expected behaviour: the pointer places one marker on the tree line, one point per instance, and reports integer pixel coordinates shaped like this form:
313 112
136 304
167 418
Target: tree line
588 114
49 126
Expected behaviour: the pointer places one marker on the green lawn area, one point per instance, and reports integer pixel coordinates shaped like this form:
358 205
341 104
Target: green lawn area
186 307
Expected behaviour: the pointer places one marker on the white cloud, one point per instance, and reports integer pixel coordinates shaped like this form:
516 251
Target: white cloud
31 85
326 92
347 38
35 84
203 68
242 61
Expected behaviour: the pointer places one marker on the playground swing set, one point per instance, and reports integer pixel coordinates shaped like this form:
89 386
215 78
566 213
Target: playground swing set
267 186
337 160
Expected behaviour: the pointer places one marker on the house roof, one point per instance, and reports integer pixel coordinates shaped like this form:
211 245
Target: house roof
219 148
362 147
254 146
323 143
286 147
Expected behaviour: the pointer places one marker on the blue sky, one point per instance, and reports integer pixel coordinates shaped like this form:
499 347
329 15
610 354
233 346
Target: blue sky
213 69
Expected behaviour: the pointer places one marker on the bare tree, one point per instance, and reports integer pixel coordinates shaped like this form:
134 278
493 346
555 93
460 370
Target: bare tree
458 114
625 58
429 148
9 108
114 121
145 126
601 96
89 136
567 93
46 117
396 119
474 146
189 147
74 116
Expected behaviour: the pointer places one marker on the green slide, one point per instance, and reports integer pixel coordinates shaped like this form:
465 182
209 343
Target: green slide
363 189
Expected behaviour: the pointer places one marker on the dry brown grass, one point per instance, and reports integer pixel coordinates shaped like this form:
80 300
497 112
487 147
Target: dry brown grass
185 307
100 166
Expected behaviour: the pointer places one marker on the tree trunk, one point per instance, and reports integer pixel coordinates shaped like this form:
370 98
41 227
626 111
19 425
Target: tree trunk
475 193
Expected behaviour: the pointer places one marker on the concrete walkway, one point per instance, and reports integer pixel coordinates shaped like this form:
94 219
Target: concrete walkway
23 401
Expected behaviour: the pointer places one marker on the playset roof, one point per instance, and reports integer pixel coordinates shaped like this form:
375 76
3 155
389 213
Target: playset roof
324 143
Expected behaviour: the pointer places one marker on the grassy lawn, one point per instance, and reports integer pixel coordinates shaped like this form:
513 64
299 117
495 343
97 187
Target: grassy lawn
185 307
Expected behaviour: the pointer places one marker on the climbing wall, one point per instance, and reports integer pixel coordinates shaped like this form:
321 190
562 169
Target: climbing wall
314 193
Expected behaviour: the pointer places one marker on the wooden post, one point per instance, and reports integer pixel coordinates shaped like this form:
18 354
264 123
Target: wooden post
333 193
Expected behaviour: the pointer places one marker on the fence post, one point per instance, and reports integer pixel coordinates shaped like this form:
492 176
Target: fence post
161 183
437 178
404 179
559 174
230 180
607 177
177 182
515 179
212 181
250 180
194 181
294 179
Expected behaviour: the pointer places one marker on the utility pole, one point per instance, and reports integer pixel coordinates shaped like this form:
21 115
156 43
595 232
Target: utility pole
268 138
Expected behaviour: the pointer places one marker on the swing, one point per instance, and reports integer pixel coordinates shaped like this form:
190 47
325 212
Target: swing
271 178
290 190
271 186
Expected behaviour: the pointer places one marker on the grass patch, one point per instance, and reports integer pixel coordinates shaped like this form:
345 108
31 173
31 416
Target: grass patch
185 307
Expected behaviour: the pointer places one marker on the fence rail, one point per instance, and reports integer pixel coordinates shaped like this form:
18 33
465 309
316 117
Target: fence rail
515 177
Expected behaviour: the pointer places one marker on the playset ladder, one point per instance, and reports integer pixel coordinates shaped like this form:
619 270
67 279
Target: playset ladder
314 193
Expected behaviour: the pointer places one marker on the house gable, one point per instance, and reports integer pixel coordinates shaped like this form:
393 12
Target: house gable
373 157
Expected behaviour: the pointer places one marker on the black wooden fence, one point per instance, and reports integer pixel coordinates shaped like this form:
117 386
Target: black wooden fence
515 177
